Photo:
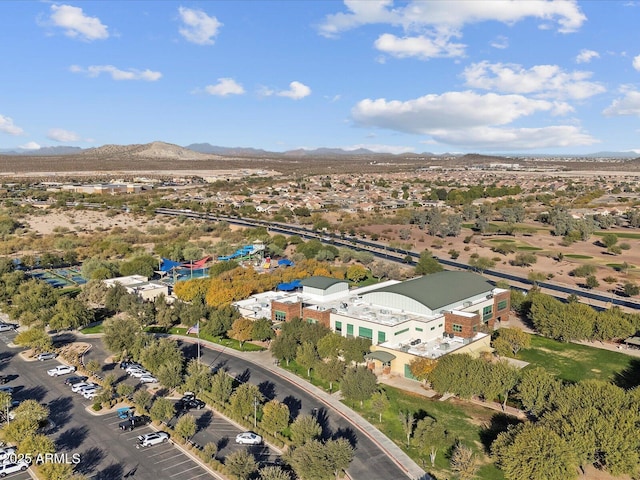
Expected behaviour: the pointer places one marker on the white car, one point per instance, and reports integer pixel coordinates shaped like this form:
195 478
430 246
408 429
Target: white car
248 438
76 387
87 388
134 368
12 467
148 379
91 393
4 327
61 370
139 373
5 453
152 439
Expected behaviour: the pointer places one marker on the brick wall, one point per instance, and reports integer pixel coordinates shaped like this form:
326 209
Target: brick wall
321 317
467 324
291 309
500 315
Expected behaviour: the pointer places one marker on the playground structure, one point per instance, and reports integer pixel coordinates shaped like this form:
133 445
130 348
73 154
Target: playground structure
247 252
180 270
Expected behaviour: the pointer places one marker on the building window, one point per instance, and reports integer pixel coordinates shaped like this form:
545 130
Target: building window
457 328
312 320
365 333
433 328
418 329
440 325
382 337
339 327
281 316
487 313
349 330
401 332
502 304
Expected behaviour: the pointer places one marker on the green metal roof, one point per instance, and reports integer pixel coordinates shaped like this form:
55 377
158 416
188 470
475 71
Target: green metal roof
384 357
321 282
440 289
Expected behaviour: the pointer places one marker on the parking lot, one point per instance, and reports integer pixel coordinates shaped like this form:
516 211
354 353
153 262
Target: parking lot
106 452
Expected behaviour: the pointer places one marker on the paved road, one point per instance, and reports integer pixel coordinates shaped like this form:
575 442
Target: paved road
106 452
369 463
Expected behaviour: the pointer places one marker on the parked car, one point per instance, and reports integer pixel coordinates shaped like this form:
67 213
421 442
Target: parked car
4 379
5 453
248 438
188 402
61 370
46 356
127 364
151 439
6 389
88 387
77 386
75 379
5 327
12 467
92 393
148 379
139 373
132 367
133 422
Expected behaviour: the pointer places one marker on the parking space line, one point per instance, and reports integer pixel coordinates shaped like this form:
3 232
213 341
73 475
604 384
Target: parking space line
174 466
201 475
184 471
162 452
169 458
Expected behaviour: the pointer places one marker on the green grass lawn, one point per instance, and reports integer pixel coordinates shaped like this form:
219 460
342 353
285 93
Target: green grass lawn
462 421
497 240
98 328
227 342
577 256
634 236
573 362
529 248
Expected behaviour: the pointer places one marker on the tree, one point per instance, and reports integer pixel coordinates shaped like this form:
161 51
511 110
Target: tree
125 390
408 421
311 462
429 433
481 264
262 330
354 349
120 334
162 410
273 473
340 453
304 429
33 296
330 346
162 352
380 403
142 398
241 330
93 366
275 417
356 273
186 426
221 387
609 240
534 451
427 264
210 450
307 356
35 338
358 384
241 463
515 338
70 313
242 400
330 370
630 289
421 367
536 390
464 462
198 377
524 259
284 347
592 282
36 445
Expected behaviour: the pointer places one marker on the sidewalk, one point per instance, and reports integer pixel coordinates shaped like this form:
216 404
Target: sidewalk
266 361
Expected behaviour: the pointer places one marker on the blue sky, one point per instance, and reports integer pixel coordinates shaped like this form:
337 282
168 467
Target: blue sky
530 76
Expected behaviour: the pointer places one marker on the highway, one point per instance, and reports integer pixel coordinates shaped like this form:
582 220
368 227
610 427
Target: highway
402 256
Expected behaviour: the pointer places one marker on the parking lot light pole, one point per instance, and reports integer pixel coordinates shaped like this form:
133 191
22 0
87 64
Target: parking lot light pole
255 411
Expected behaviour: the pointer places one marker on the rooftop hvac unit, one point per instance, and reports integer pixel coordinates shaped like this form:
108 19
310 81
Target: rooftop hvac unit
451 335
467 304
384 311
490 296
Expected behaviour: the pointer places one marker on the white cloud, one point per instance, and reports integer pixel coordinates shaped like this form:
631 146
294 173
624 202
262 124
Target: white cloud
117 74
60 135
7 126
420 46
636 63
224 87
296 91
198 28
629 104
585 56
508 139
76 24
452 14
30 146
501 42
545 81
468 119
